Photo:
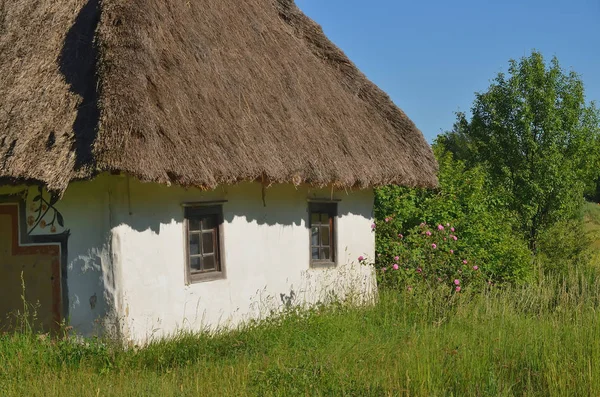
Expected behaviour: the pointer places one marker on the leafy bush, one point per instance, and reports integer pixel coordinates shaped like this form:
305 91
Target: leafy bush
484 227
563 246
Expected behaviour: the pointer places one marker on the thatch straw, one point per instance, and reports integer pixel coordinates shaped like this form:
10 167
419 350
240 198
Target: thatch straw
198 93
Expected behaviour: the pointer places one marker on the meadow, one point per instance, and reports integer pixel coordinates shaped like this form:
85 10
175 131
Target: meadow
539 339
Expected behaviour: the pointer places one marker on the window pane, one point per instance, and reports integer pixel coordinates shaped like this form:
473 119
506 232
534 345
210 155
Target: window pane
194 243
325 235
209 262
209 222
314 240
195 263
315 253
314 218
325 219
194 224
325 253
208 246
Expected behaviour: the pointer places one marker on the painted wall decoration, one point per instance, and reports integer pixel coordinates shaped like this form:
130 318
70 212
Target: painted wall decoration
37 267
42 215
38 259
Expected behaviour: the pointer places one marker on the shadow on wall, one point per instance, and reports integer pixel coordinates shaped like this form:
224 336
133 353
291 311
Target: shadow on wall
151 206
77 63
92 285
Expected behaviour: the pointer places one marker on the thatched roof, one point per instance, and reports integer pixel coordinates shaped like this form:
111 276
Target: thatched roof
198 93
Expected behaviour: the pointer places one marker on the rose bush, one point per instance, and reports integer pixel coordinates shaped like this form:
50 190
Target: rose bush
428 254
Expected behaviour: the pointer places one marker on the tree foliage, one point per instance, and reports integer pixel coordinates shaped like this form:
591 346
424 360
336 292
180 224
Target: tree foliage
538 139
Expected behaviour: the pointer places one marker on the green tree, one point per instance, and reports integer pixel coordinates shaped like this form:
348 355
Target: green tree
538 139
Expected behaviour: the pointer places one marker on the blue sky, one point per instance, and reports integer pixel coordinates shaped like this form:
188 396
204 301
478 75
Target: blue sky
431 56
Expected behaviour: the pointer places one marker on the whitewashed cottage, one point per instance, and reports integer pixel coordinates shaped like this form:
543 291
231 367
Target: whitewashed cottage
169 165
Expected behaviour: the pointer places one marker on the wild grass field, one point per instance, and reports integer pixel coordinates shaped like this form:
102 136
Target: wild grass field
537 339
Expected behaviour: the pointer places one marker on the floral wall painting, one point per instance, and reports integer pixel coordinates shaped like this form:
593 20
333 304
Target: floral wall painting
42 215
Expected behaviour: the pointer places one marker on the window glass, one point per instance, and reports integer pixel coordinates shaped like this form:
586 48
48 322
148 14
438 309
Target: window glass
203 236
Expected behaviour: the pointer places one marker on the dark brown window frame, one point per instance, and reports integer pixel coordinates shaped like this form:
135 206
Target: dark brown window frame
330 208
203 210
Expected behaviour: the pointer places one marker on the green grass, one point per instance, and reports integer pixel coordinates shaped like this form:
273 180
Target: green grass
592 222
541 339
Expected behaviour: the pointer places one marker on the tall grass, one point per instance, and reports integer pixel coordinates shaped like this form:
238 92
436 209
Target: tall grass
592 223
541 339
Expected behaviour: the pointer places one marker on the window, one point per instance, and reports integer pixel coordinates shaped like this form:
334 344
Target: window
322 233
203 239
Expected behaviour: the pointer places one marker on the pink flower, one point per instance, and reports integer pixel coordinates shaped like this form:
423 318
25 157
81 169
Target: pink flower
373 226
428 233
457 282
451 251
422 224
475 267
440 227
409 288
383 269
457 289
434 246
444 238
361 258
452 229
465 262
387 219
454 238
419 270
395 266
396 258
401 236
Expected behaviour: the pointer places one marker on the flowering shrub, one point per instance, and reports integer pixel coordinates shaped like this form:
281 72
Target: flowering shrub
433 231
428 254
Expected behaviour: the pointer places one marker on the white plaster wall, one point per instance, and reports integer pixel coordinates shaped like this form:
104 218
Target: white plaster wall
265 251
84 208
127 249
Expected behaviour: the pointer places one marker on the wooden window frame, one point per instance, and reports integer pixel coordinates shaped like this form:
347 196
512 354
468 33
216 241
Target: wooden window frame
331 209
198 211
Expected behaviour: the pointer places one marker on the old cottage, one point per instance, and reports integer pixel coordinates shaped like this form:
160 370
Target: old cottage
172 165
